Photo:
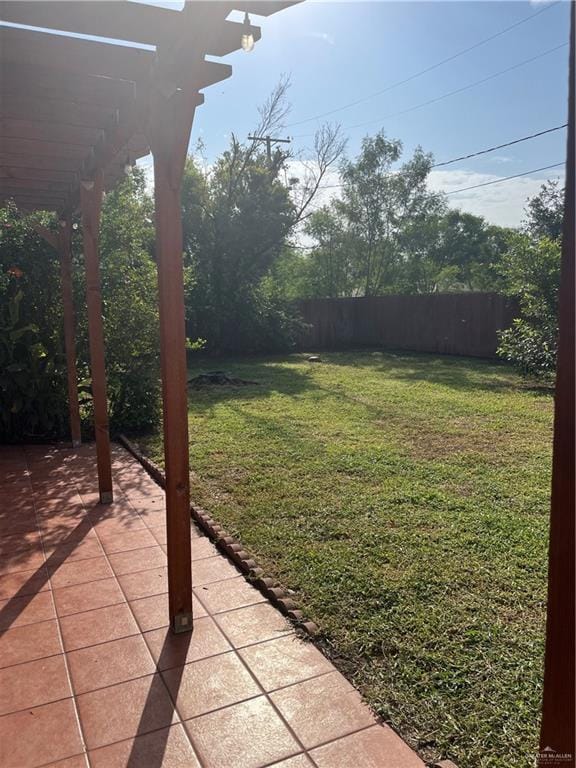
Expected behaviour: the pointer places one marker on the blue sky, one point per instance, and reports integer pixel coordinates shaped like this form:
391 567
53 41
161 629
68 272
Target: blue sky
338 52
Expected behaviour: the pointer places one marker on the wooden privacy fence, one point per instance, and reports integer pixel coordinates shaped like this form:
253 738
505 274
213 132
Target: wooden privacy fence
448 323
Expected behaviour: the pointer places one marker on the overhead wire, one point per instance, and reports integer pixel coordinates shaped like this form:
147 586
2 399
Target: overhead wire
432 67
450 93
480 152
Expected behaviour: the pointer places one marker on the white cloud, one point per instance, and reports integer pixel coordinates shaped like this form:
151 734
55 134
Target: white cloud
501 204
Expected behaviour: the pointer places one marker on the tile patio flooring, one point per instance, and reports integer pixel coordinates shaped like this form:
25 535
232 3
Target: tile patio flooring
91 675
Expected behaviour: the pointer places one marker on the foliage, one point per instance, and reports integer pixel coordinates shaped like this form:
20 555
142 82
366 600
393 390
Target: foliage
390 234
237 215
31 379
378 205
532 275
412 524
130 306
545 212
32 369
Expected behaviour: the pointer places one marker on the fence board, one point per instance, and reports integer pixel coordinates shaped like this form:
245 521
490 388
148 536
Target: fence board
447 323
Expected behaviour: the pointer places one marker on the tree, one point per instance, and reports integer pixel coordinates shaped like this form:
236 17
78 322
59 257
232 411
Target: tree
238 216
531 272
378 205
545 211
130 305
32 361
467 252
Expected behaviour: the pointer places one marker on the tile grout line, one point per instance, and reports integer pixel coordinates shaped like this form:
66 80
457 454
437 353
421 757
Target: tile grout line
61 639
157 673
290 730
253 676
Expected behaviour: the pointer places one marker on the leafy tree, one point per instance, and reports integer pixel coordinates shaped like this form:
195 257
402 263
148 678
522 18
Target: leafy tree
531 272
377 206
545 211
32 364
238 215
467 252
130 305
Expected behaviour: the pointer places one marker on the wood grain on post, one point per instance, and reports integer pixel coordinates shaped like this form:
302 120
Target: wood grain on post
169 128
557 731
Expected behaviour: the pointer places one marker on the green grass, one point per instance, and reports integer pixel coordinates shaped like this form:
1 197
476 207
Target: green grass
404 498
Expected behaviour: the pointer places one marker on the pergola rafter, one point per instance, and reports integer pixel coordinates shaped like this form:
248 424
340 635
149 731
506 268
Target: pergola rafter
74 112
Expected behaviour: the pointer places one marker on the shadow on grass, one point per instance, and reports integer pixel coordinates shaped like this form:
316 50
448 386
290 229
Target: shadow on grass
273 375
460 373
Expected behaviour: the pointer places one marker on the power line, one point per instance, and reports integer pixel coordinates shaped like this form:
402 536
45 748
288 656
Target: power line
506 178
428 69
451 93
481 152
500 146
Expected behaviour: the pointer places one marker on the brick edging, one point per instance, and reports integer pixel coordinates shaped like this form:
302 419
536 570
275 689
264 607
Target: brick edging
232 549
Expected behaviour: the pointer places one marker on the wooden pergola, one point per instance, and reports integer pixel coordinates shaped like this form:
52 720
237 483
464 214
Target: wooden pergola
75 111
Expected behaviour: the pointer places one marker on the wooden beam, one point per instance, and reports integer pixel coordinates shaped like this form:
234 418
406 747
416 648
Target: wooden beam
39 174
46 83
65 250
90 204
557 729
61 187
24 107
264 7
24 47
169 126
38 162
141 23
49 131
34 148
145 24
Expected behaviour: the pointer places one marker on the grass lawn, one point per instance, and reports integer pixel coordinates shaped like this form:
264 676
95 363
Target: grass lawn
404 498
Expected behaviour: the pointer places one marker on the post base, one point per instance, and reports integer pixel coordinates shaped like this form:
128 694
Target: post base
106 497
182 622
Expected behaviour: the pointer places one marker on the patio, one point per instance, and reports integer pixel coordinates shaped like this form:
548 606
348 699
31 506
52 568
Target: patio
91 673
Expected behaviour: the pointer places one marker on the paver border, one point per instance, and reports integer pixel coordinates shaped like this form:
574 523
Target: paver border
233 549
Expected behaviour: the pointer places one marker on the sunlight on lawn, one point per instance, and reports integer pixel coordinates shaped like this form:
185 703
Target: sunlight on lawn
405 499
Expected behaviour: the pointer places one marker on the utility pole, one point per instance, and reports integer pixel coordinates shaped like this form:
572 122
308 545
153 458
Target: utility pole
269 140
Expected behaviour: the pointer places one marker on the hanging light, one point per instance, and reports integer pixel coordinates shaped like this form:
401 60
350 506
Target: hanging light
247 41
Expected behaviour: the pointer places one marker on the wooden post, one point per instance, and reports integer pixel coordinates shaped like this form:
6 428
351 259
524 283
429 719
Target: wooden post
169 125
557 730
65 251
90 205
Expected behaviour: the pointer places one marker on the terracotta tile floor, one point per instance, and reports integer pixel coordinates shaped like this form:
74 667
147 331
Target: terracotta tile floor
90 674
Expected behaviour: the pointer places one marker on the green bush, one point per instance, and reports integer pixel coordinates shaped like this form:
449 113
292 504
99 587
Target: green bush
31 378
532 272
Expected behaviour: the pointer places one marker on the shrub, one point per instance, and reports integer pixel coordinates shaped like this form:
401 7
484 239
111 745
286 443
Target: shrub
32 402
532 272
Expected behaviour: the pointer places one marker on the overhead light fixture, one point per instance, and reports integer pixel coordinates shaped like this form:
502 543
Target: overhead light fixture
247 41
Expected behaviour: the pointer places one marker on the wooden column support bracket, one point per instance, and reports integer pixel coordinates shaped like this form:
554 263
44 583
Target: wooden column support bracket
90 205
